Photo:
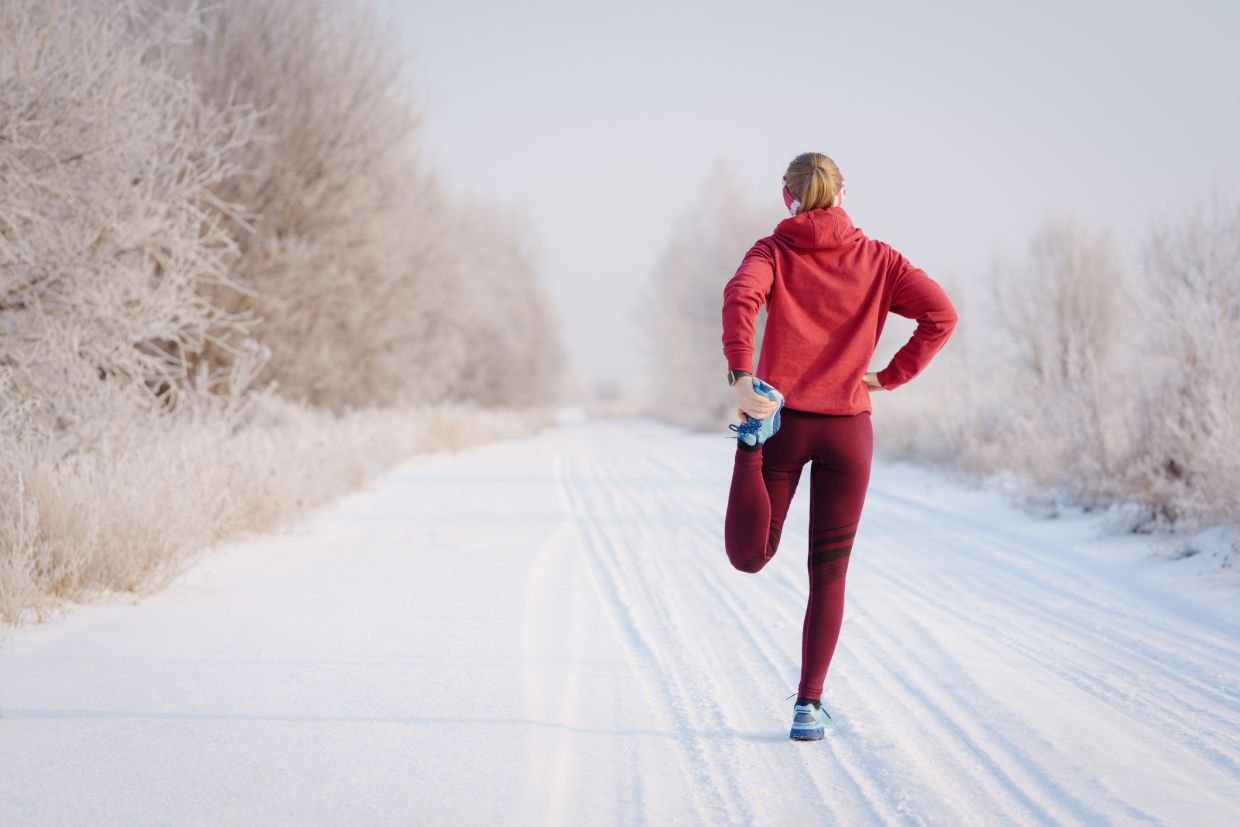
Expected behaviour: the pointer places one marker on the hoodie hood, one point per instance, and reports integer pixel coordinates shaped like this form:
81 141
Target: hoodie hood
822 229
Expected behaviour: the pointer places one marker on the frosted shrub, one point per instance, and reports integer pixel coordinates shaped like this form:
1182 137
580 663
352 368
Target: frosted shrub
1186 418
110 239
164 233
511 351
1027 385
372 284
82 527
681 304
324 182
1057 310
109 235
1096 382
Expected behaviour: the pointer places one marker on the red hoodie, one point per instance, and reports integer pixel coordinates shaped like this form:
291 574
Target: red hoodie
828 289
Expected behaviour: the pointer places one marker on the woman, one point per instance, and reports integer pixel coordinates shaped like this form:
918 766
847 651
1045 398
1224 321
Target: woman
828 289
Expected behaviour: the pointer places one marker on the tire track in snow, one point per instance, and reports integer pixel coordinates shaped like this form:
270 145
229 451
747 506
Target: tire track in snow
689 658
1161 718
1021 742
872 793
915 705
539 803
886 677
717 800
1026 557
1040 583
1009 771
558 580
872 672
982 630
906 738
1080 652
715 675
1012 574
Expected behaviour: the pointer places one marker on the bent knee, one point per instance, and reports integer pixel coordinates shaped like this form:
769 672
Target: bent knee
749 565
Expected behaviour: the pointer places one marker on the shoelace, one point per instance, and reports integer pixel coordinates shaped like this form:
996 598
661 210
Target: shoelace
820 706
749 426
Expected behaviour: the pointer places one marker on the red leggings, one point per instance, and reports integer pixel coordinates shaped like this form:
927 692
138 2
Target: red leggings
763 482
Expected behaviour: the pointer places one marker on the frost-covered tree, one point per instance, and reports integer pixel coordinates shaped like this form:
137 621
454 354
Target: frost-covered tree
188 191
359 264
1059 303
111 240
1056 311
1186 419
680 306
511 348
329 246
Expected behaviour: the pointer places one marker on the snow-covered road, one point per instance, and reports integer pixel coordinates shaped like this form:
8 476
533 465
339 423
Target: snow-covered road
547 631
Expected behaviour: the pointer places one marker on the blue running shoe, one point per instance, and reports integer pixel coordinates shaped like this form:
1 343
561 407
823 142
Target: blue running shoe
809 722
754 432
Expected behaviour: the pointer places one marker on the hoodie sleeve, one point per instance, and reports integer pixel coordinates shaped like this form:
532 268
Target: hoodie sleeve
743 295
916 296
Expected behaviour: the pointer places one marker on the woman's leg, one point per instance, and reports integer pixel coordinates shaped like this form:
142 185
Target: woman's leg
763 482
839 478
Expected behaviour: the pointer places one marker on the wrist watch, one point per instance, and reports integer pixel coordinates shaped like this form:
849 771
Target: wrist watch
733 375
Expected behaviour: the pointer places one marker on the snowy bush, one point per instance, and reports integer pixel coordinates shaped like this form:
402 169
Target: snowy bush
1089 375
197 200
681 303
511 351
110 238
1056 312
358 264
1186 416
133 516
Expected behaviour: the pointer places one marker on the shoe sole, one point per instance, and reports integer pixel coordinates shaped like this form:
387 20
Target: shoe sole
807 734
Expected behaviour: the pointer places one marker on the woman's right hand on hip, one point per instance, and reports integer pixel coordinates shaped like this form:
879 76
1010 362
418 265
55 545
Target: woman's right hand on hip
751 403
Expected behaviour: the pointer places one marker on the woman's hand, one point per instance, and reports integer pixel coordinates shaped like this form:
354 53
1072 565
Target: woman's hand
871 381
752 404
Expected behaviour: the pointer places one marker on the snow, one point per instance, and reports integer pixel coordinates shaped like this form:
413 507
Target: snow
547 631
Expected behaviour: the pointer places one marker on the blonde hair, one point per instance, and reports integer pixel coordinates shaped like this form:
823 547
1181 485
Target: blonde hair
813 179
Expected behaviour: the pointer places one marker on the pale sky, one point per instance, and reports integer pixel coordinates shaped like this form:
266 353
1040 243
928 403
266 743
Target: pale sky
957 124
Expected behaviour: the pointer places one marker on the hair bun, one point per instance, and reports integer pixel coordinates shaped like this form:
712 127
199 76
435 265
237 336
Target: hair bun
814 179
